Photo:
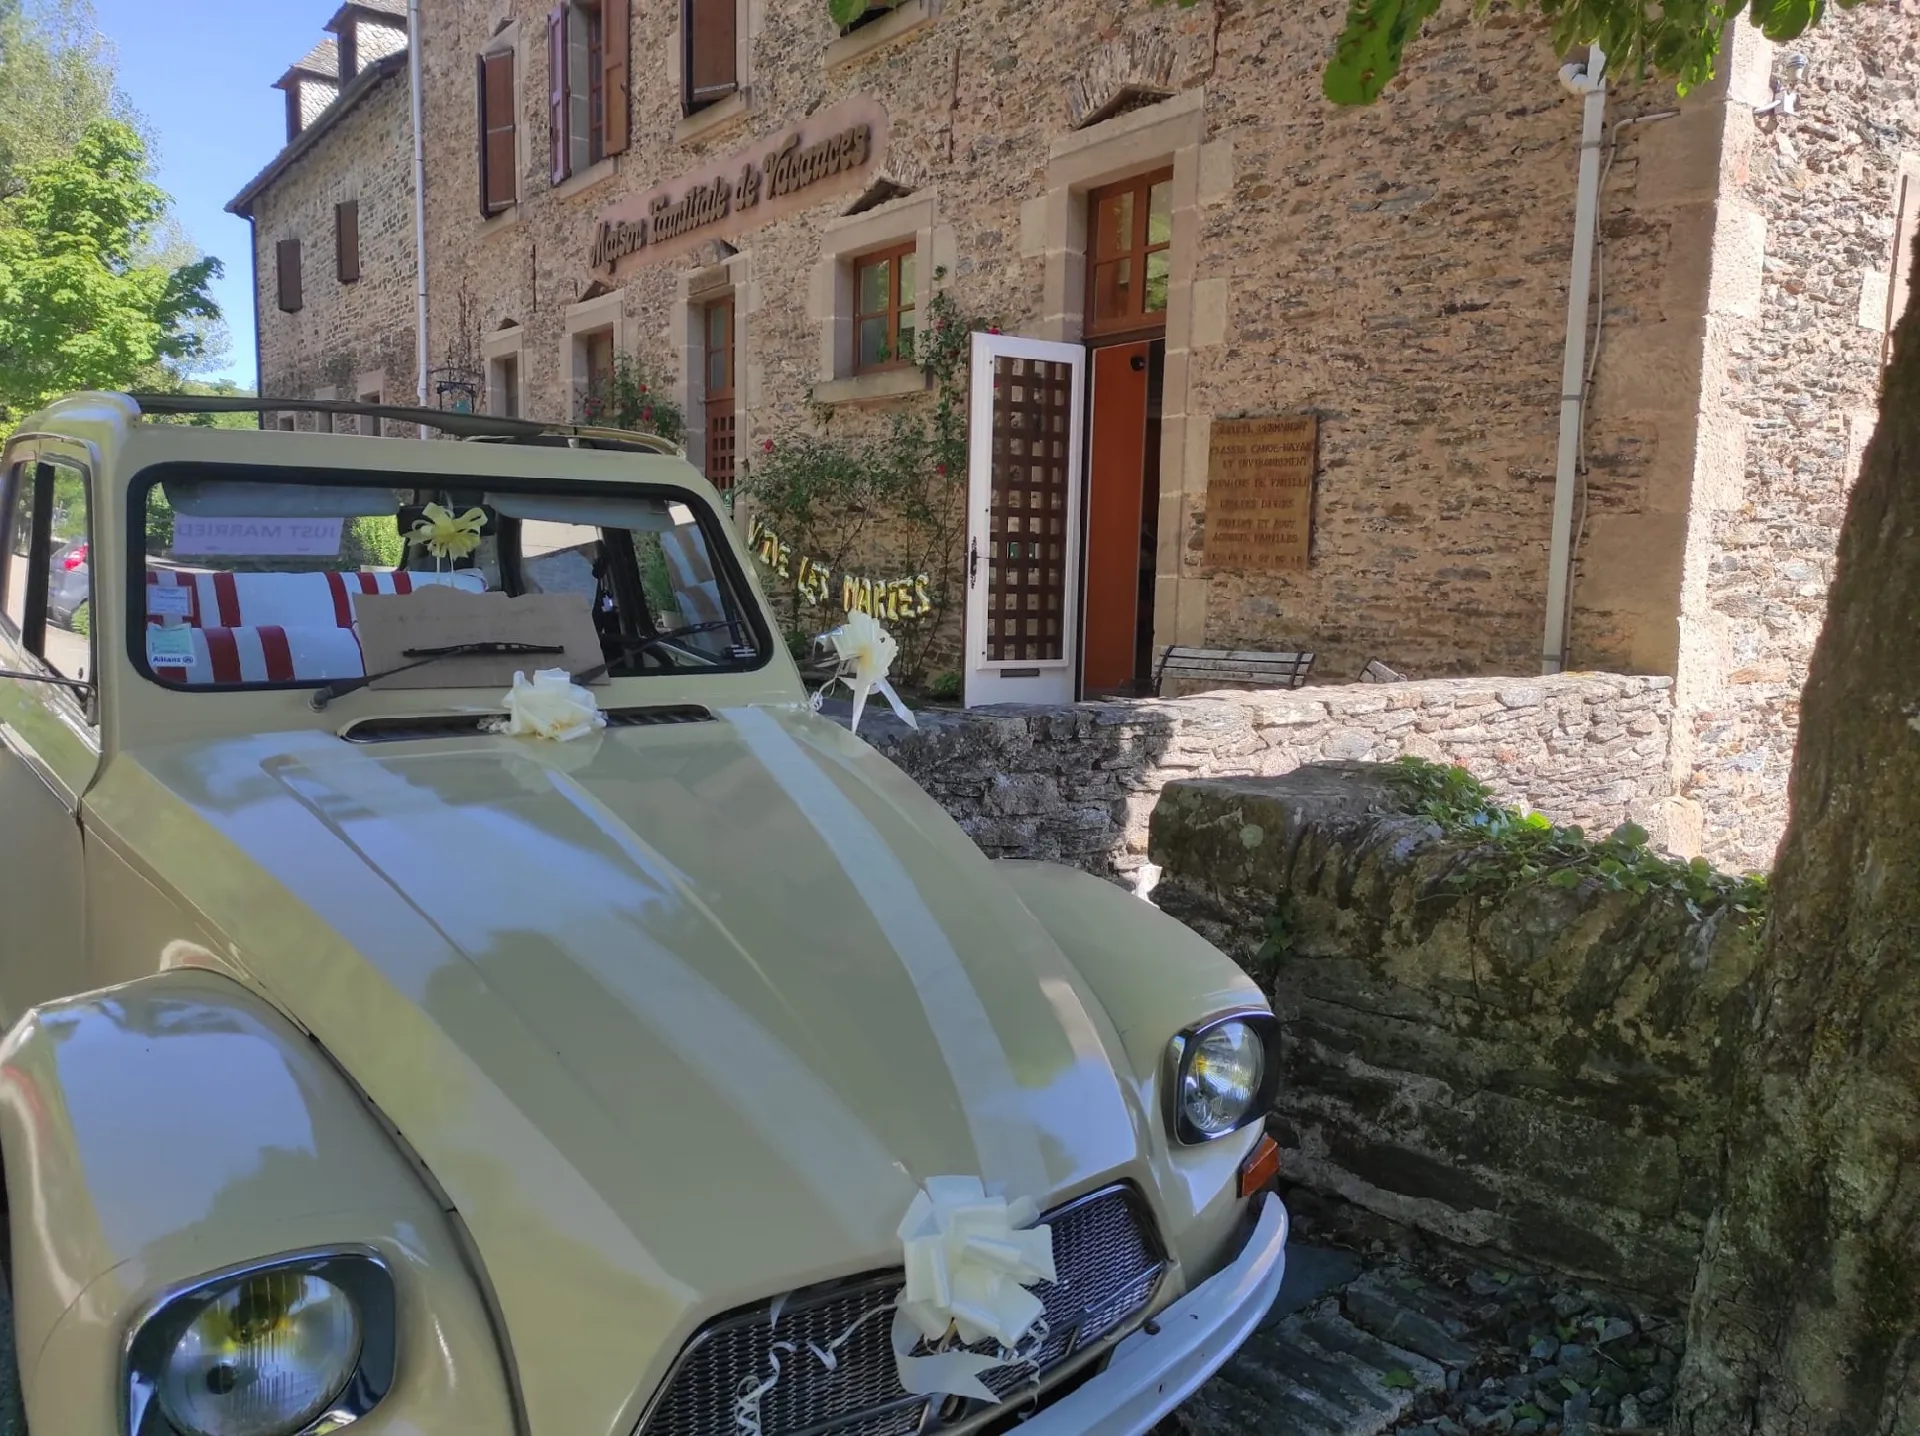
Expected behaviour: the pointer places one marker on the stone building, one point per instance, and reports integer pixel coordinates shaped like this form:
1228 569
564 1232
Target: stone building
333 221
1185 252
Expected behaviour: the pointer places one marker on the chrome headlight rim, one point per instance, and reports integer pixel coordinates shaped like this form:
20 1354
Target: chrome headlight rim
360 1271
1265 1027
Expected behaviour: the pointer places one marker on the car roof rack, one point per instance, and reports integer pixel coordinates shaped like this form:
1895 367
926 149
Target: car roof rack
465 426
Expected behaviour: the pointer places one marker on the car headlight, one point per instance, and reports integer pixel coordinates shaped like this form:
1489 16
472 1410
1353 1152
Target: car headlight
266 1351
1221 1076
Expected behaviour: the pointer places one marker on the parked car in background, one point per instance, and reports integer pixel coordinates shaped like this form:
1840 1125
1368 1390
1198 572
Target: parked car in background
694 1074
69 582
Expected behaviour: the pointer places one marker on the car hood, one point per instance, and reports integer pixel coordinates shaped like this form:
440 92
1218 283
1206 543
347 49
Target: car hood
679 1016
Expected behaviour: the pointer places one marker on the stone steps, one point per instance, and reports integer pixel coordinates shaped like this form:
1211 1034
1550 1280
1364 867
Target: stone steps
1309 1370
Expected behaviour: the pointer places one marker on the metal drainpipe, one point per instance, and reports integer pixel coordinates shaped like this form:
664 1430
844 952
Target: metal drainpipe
1592 83
419 208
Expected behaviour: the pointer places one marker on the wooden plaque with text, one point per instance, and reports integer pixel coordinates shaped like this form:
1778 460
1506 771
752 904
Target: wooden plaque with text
1260 492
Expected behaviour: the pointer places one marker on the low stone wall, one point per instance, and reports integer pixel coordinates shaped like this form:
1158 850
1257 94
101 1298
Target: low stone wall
1545 1074
1076 783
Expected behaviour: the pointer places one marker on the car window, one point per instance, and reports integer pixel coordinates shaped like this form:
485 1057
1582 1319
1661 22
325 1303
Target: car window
50 610
252 582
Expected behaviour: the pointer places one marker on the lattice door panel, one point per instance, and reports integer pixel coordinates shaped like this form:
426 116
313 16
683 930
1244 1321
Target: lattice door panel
1028 535
1023 523
720 445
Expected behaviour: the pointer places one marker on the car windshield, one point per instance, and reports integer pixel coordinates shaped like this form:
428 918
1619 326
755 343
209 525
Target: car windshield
246 583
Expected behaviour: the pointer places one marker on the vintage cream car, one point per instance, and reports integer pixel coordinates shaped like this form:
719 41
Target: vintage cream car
366 1064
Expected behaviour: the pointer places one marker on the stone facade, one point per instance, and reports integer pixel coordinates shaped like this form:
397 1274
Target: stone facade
347 340
1547 1074
1399 271
1077 784
1793 358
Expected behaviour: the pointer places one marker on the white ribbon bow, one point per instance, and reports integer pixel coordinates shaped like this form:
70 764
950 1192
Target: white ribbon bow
551 706
865 652
970 1258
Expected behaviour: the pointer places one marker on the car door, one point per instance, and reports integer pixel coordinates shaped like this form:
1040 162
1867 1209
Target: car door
49 736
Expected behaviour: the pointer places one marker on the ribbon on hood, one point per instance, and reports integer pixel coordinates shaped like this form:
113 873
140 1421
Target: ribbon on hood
551 706
865 652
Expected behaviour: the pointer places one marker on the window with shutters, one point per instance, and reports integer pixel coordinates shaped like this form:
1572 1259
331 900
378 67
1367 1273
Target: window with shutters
286 257
883 306
346 240
709 30
589 46
499 133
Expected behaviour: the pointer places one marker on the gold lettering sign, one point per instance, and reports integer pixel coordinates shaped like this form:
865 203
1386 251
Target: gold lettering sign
832 151
1260 493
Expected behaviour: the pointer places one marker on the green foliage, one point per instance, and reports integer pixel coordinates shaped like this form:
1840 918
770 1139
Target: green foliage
633 397
56 78
372 542
944 686
1520 848
1679 39
82 622
828 494
845 12
81 307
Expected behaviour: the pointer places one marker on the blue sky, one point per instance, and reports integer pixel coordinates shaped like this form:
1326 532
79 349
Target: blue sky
201 76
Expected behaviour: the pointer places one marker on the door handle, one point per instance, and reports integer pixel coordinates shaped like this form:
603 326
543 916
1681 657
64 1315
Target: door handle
973 560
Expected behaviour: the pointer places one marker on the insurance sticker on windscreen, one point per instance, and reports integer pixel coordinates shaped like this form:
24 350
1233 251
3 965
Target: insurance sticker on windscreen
169 647
165 600
199 535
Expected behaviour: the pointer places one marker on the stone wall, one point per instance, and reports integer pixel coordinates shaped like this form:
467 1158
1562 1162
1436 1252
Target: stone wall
1792 385
344 334
1546 1075
1077 783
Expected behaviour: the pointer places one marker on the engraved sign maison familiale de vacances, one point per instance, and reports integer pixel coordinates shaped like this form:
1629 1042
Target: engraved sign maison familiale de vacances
831 152
1260 492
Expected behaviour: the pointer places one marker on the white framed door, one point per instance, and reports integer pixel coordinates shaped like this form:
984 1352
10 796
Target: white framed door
1023 520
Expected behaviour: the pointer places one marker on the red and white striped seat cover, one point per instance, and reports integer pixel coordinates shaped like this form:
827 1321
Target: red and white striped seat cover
294 600
268 654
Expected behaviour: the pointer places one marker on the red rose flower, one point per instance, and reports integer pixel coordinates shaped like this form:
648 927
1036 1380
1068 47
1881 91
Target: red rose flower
766 446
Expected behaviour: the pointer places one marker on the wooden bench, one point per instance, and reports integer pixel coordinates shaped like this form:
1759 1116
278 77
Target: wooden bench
1232 665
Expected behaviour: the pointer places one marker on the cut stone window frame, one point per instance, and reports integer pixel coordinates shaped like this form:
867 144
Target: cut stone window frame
589 87
884 25
731 277
913 218
371 386
326 423
503 352
603 314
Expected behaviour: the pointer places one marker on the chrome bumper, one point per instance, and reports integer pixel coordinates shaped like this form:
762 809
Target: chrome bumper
1149 1375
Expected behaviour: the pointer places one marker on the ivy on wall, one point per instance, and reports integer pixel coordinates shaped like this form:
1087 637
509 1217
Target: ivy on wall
843 496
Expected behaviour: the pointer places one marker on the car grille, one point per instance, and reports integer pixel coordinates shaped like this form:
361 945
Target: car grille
1108 1262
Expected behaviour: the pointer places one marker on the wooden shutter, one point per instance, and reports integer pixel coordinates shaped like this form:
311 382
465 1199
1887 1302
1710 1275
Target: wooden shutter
558 128
709 29
616 45
346 240
499 154
287 268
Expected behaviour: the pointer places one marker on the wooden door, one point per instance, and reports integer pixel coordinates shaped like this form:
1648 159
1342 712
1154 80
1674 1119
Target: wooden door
1116 480
1023 520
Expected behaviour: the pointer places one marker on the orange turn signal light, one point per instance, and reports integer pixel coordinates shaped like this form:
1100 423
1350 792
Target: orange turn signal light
1261 1168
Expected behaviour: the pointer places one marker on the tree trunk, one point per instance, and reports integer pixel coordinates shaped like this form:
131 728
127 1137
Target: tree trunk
1806 1317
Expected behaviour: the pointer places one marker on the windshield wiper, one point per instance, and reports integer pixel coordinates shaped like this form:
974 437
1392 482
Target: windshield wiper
422 657
80 684
632 648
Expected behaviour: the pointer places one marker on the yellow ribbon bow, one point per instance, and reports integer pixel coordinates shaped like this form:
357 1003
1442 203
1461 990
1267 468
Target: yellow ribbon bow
445 536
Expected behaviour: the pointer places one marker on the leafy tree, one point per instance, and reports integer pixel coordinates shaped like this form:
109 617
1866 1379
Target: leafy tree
83 305
1677 38
56 78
